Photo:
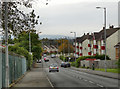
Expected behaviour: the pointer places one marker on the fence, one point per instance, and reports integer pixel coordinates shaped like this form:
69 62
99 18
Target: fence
100 64
17 67
0 69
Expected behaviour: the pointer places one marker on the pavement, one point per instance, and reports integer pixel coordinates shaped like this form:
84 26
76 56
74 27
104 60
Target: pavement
34 78
100 73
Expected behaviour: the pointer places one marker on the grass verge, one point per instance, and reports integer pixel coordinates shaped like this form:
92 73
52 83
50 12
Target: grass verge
109 70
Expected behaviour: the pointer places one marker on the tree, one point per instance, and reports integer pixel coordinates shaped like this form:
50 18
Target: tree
65 46
23 40
22 51
17 19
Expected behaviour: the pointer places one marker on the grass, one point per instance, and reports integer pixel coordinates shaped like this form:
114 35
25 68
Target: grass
109 70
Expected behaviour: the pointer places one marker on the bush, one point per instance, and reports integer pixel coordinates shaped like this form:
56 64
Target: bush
62 57
101 57
77 63
22 51
73 64
118 63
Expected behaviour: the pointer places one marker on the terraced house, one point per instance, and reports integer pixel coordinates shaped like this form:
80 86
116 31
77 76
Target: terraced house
93 43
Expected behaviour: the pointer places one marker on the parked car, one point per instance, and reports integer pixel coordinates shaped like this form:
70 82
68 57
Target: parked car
39 61
44 55
65 64
62 64
53 67
53 56
46 59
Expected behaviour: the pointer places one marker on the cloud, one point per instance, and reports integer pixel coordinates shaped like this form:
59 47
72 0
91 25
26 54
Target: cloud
75 16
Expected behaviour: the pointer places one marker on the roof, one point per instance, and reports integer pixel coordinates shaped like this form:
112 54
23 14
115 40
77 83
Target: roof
117 45
109 32
97 35
81 39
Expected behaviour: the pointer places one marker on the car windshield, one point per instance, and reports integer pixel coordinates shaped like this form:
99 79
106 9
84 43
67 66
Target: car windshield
53 65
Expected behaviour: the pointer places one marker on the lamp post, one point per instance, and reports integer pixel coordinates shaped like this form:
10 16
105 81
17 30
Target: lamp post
68 48
6 49
104 8
75 43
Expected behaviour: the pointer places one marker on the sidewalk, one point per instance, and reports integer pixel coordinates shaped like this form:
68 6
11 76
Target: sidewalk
35 78
101 73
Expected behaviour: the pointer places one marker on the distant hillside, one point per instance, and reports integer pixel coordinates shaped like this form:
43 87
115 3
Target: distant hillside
52 36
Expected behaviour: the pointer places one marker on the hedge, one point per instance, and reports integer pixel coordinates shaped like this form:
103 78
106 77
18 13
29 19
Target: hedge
101 57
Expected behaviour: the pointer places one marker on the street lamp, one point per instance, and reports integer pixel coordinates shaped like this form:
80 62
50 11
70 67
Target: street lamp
75 43
104 8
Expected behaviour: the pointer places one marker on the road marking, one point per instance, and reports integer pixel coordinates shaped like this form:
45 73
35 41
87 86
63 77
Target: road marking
91 82
99 85
50 82
85 80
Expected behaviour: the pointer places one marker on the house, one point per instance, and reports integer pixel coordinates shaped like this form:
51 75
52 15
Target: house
119 13
50 48
117 53
93 43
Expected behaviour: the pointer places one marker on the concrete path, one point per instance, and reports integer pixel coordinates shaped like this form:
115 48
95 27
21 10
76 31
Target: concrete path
35 78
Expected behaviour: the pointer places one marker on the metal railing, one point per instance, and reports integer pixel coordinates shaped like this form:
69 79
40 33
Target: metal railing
17 67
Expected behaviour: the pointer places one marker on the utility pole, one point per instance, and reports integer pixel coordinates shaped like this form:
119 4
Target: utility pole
63 46
57 47
6 49
29 43
105 37
68 47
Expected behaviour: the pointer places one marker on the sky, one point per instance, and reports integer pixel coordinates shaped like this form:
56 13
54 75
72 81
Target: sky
119 13
60 17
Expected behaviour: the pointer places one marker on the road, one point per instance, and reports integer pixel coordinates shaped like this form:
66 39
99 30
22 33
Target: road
68 77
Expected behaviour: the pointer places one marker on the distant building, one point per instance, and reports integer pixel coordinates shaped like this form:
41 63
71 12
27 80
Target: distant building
50 48
119 13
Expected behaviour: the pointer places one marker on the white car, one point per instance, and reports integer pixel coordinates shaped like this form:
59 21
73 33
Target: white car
53 67
53 56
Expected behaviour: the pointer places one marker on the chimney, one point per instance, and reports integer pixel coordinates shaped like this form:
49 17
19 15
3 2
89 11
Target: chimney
103 27
112 26
88 34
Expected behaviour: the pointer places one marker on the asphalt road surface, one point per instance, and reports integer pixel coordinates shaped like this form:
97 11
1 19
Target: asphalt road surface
67 77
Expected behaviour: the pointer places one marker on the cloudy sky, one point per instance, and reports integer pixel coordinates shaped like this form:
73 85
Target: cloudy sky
60 17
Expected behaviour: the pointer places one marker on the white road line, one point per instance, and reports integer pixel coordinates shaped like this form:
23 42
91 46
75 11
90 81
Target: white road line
50 82
85 80
91 82
99 85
